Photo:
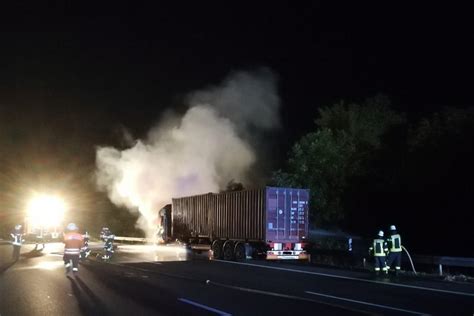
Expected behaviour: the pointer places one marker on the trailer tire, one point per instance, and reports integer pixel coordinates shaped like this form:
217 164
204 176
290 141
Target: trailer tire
239 251
217 249
228 250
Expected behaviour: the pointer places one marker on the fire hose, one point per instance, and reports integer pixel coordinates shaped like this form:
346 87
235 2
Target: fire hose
409 257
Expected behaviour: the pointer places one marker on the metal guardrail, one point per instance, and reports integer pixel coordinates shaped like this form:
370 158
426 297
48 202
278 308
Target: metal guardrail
447 261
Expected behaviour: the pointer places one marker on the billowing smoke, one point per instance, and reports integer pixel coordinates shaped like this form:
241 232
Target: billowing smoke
197 153
247 99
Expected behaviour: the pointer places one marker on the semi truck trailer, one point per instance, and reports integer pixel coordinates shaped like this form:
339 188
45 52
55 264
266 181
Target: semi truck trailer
270 222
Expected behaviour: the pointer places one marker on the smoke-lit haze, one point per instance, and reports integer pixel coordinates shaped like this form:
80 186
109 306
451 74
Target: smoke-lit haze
197 153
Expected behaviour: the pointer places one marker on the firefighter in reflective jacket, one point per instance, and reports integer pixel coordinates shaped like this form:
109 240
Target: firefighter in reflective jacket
73 242
85 250
108 238
378 250
395 249
17 240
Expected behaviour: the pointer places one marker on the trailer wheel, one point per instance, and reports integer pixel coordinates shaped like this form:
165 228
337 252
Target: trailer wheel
228 250
239 251
217 249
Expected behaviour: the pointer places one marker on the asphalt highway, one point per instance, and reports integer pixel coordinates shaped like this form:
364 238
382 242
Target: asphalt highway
168 280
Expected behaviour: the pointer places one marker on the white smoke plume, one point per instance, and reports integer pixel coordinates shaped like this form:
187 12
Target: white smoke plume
197 153
248 99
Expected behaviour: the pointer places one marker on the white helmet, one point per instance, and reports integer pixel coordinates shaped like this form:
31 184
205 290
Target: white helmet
71 227
381 233
393 227
18 227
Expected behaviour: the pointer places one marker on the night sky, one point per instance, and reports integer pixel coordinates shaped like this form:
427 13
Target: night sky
75 76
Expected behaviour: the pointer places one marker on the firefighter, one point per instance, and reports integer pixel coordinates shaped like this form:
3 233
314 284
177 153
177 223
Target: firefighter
85 251
73 242
108 238
17 241
394 242
104 232
378 250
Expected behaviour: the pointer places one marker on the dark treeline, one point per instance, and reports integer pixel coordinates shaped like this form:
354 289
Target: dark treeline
368 167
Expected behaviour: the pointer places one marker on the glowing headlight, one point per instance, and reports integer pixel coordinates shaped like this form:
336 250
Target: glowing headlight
46 210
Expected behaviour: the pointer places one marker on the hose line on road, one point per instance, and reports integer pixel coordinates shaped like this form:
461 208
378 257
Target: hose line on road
409 257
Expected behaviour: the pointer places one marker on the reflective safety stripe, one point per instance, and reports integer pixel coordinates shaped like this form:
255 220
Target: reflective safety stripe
16 239
377 269
72 251
395 243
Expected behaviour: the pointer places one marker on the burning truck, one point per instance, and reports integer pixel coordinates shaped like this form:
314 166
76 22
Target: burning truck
271 223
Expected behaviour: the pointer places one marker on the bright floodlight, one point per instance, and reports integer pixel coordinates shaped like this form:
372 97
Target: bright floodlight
46 210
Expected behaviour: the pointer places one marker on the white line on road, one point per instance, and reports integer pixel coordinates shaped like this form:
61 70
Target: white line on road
204 307
245 289
367 303
299 298
350 278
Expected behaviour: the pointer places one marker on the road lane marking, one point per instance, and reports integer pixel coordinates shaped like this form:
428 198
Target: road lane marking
350 278
204 307
245 289
209 282
366 303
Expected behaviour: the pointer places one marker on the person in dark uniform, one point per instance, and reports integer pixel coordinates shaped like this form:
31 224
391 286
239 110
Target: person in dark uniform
108 238
394 242
85 250
379 250
17 241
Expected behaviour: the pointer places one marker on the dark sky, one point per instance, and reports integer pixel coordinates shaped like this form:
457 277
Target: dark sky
129 61
72 75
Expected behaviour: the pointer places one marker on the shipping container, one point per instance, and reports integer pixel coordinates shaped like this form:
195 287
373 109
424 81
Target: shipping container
271 220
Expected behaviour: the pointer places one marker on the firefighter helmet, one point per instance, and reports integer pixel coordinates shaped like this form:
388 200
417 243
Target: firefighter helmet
71 227
380 233
393 227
